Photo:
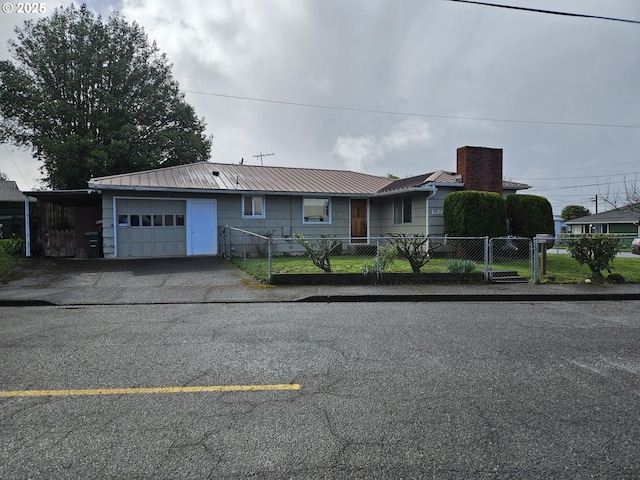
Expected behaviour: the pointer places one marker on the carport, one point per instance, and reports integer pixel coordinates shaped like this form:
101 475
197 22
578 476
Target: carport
65 218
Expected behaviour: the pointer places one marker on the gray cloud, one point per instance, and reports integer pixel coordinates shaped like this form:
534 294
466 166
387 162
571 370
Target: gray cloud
435 58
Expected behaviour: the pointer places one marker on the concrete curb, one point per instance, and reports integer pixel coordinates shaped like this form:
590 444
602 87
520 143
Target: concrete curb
385 298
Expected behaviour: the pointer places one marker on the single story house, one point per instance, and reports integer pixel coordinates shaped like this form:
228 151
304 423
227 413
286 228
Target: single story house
560 227
624 221
183 210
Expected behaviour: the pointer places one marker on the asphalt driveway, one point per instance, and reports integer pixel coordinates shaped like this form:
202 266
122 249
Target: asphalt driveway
139 281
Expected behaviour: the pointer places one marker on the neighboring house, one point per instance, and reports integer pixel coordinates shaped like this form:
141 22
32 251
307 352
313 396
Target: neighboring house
12 209
560 227
183 210
624 220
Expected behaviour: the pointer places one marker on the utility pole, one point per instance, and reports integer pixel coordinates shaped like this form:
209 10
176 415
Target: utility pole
595 200
261 155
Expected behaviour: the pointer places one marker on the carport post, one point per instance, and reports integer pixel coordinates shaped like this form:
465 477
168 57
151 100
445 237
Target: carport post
27 227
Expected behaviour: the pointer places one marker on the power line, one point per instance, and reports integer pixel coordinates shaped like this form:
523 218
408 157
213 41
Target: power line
15 164
579 186
408 114
608 175
552 12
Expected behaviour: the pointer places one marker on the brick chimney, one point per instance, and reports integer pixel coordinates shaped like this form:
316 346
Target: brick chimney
481 168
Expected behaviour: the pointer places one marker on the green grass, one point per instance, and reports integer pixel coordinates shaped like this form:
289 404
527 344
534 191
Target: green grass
561 266
7 262
566 270
258 267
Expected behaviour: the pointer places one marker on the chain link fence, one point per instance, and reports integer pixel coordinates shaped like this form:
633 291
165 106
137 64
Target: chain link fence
553 260
392 259
397 258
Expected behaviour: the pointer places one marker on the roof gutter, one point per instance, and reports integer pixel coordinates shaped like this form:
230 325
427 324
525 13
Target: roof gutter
210 191
423 188
427 211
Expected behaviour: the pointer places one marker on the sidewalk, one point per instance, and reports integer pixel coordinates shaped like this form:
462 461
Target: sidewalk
214 280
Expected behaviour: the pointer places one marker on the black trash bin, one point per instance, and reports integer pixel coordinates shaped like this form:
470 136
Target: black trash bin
93 244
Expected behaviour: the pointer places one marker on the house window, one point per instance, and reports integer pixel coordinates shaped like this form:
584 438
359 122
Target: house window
402 210
252 206
316 210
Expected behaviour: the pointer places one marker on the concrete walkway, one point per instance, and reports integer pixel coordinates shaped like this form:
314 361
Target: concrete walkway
214 280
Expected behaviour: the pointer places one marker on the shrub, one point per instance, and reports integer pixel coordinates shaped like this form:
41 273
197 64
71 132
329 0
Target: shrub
413 247
13 246
320 250
460 266
385 258
475 214
595 251
529 215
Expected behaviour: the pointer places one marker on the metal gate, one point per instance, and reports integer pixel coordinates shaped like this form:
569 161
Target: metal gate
510 260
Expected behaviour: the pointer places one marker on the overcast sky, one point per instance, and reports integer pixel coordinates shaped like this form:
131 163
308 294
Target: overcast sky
395 86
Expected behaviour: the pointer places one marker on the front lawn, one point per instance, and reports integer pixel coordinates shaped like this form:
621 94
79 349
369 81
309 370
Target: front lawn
566 270
561 266
258 267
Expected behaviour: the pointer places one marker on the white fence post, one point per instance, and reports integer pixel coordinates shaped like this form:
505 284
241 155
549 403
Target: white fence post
486 259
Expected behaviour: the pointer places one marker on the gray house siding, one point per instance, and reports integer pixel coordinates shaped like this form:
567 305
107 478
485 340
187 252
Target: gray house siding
283 216
427 214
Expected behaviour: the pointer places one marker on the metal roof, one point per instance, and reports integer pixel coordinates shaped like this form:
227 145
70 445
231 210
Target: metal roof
224 177
438 177
245 178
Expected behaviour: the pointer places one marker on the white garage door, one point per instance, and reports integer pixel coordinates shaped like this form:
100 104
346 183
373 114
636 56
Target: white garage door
150 228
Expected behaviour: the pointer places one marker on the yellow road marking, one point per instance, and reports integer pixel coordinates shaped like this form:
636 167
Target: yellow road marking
143 390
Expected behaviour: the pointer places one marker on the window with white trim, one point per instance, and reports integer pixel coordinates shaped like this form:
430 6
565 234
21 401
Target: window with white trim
402 209
316 210
253 206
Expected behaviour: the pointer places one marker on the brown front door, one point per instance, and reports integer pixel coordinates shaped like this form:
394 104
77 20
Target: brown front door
359 220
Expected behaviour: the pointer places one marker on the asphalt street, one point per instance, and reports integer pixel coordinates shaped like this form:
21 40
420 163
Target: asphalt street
383 390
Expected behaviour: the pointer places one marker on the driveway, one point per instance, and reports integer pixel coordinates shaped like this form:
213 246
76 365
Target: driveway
158 280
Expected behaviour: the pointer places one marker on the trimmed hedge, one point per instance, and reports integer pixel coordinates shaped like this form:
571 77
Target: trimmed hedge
472 213
529 215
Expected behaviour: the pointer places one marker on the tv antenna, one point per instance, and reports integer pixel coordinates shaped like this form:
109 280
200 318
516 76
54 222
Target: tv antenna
262 155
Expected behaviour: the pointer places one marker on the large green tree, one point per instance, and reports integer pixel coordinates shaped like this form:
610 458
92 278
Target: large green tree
570 212
92 97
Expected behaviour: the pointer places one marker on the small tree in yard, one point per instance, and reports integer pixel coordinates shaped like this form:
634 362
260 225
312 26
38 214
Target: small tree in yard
595 251
319 250
415 248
